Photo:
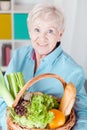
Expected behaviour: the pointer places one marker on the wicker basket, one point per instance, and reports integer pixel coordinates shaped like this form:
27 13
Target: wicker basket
69 123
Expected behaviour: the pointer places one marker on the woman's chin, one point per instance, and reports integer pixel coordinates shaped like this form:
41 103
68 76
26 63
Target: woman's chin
40 53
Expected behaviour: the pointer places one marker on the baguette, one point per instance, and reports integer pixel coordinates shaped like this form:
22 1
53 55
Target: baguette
68 99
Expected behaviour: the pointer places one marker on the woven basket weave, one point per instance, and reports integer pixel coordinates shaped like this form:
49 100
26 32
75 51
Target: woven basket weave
69 123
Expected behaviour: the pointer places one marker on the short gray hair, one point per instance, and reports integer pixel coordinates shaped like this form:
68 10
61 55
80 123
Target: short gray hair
46 9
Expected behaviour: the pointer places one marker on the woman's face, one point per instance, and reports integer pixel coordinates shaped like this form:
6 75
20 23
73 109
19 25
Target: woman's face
44 34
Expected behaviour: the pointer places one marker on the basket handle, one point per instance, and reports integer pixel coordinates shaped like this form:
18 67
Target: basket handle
33 81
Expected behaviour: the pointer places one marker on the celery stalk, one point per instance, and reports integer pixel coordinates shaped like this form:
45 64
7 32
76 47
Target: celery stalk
16 82
4 92
20 79
13 85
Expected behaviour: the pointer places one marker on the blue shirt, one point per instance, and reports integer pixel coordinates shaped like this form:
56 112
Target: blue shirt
57 62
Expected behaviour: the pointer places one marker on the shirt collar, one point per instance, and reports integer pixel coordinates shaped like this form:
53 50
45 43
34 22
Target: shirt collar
53 55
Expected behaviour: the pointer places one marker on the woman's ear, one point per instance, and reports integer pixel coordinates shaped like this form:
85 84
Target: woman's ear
60 34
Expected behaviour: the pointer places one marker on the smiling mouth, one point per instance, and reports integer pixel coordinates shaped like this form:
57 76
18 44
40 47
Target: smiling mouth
42 45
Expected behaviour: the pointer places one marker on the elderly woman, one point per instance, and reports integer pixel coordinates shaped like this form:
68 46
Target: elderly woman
46 26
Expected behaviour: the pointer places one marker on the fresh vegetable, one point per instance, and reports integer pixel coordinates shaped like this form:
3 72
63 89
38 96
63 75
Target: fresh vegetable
36 114
4 92
58 120
16 82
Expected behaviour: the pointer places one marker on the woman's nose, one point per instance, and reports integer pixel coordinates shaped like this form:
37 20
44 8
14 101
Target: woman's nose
42 36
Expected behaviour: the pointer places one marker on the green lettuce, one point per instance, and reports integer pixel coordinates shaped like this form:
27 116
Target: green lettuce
38 114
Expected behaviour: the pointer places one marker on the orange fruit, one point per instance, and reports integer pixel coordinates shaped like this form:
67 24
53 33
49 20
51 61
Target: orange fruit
58 120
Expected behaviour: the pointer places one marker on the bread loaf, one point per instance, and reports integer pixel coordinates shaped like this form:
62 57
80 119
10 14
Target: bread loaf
68 99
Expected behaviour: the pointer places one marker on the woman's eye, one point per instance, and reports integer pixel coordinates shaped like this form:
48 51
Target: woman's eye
50 31
36 30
